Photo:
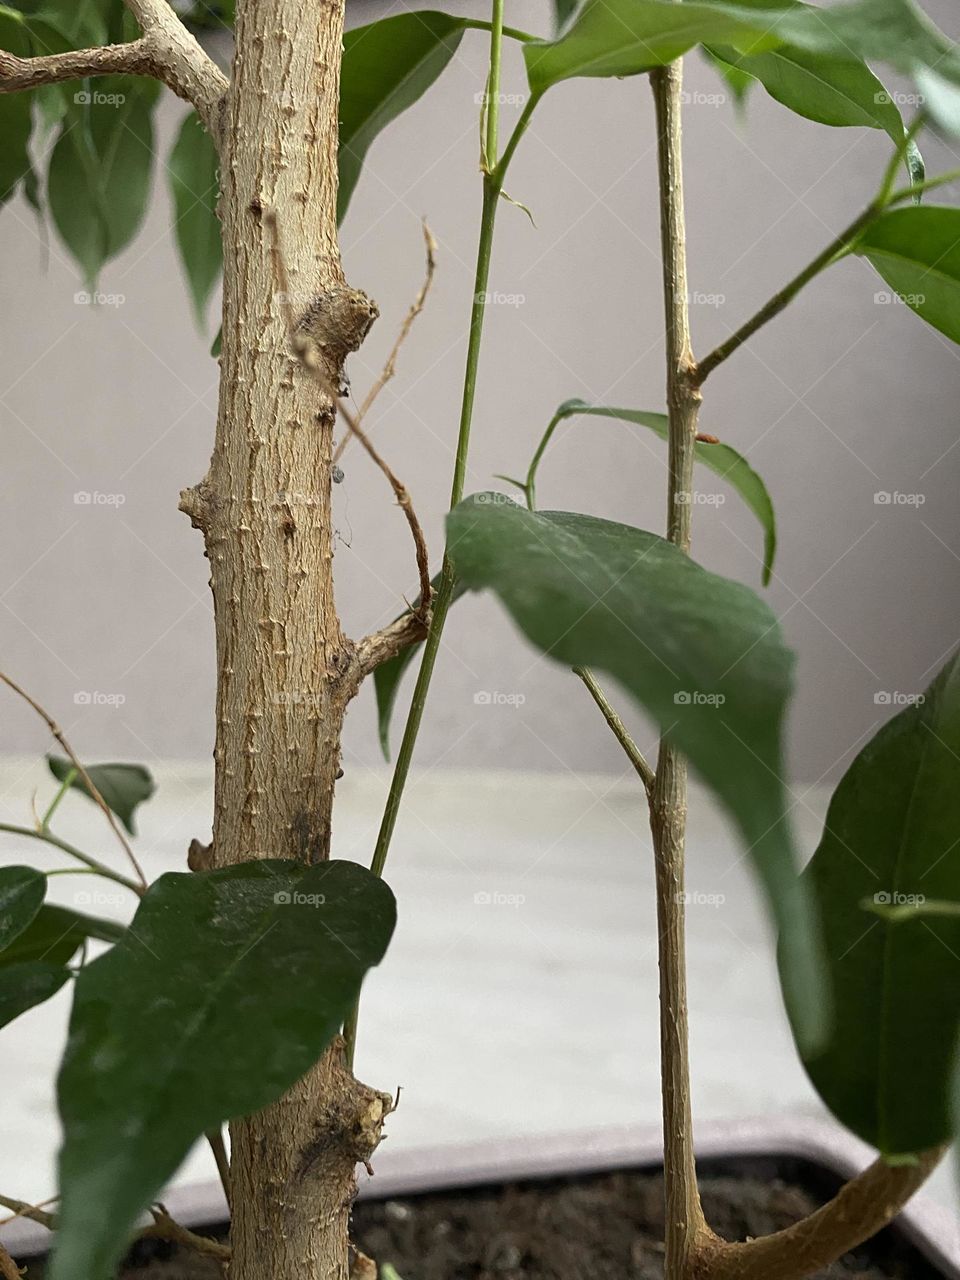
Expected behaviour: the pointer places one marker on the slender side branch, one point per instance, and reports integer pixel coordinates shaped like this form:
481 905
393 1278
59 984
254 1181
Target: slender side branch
390 368
93 864
634 755
57 734
8 1268
858 1211
834 250
166 51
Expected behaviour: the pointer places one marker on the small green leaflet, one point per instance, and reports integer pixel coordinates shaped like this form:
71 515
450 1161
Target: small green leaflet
701 654
56 934
723 460
122 787
23 986
227 987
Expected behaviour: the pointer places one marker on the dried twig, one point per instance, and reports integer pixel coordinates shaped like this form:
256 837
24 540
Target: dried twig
163 1228
57 734
422 610
390 368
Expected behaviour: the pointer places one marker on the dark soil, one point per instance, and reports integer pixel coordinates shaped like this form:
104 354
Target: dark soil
606 1227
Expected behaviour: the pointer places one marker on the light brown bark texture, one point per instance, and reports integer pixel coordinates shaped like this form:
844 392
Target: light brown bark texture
285 669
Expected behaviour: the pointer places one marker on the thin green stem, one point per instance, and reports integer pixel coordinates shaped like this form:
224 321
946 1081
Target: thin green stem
492 188
619 729
47 837
530 484
65 786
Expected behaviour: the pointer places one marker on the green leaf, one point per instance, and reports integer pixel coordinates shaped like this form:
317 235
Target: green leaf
723 460
98 182
917 252
387 677
821 89
56 934
890 838
195 186
16 110
387 66
226 989
22 986
22 890
628 37
122 786
699 653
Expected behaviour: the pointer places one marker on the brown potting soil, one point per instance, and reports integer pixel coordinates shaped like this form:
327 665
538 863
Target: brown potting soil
605 1227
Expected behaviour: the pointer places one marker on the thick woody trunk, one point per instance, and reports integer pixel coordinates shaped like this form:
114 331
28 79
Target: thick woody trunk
285 669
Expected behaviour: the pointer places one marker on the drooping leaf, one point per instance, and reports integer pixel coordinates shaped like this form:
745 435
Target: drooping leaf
832 92
628 37
387 66
22 890
122 786
16 110
98 182
387 677
700 654
195 186
227 987
56 934
890 839
22 986
917 252
722 459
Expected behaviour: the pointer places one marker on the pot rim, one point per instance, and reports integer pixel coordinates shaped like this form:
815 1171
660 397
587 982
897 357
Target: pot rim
410 1171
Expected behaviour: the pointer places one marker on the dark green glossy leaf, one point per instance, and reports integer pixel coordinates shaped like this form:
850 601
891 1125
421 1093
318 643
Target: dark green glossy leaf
56 934
387 677
22 986
627 37
890 839
723 460
700 654
122 786
917 252
22 890
387 66
226 989
195 185
16 110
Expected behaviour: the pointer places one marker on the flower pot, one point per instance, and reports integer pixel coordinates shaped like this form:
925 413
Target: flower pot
809 1153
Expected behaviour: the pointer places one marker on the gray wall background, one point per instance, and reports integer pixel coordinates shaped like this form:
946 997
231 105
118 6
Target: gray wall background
840 398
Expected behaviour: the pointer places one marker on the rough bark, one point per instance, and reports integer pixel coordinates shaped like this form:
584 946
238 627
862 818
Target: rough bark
285 669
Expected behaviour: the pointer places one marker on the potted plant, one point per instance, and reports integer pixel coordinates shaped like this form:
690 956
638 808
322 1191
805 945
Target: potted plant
232 994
